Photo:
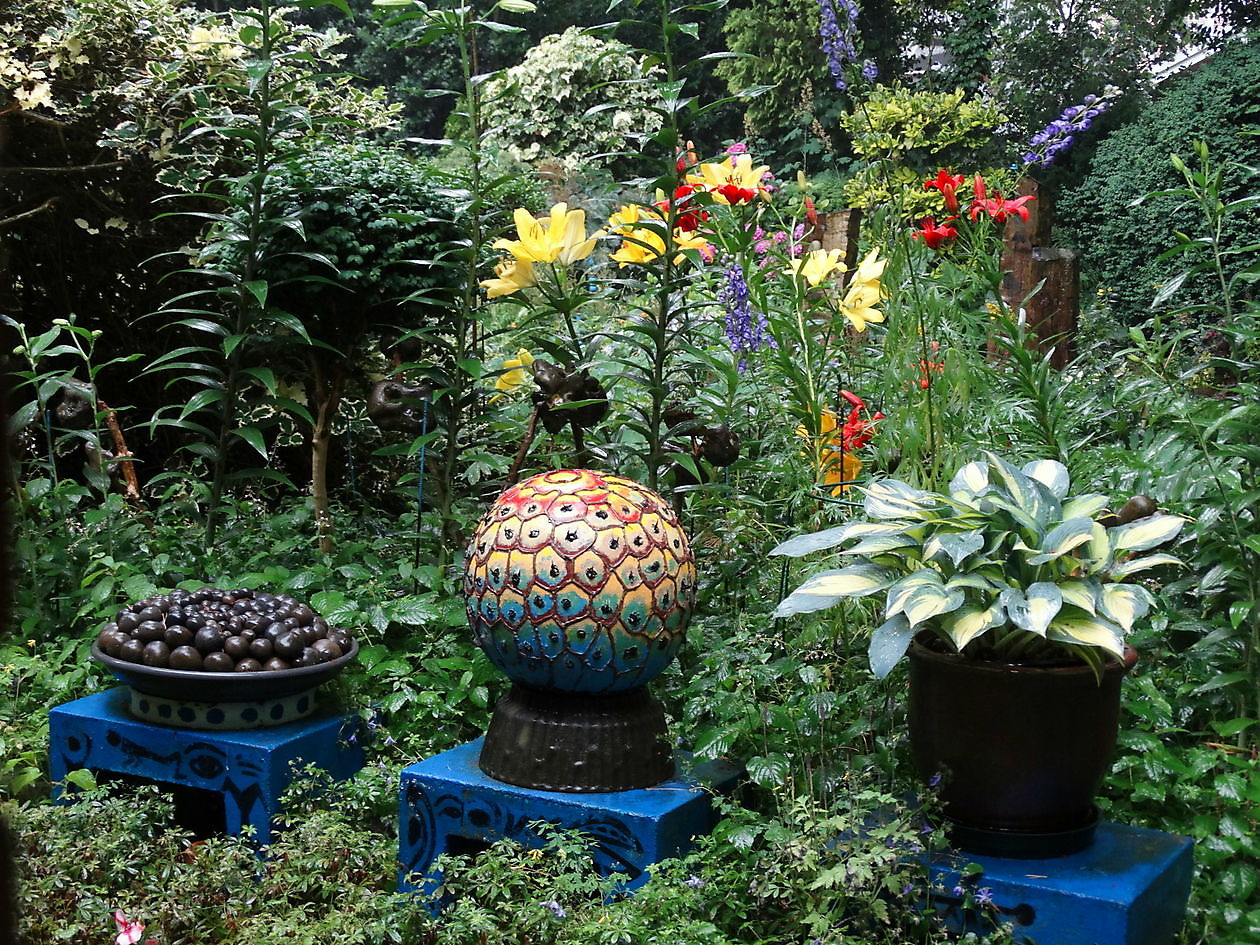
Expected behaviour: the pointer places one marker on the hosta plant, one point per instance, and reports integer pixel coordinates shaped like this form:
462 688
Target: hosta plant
1006 566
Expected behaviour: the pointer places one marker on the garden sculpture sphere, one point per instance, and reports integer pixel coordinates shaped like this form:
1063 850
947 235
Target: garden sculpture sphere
579 586
579 581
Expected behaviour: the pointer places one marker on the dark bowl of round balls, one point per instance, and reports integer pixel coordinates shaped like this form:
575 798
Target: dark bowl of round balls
213 645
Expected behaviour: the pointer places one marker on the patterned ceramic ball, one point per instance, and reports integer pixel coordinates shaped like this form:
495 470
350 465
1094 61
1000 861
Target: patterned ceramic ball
580 581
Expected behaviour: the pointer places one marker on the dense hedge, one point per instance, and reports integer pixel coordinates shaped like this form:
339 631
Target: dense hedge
1120 243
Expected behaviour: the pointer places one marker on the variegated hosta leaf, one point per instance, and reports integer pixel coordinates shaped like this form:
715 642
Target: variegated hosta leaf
1051 474
1097 549
1082 594
1024 494
969 621
881 544
931 600
1126 603
976 581
1084 506
892 498
829 538
829 587
1146 532
1063 538
1090 631
1027 525
900 592
954 545
888 644
971 479
1034 608
1125 568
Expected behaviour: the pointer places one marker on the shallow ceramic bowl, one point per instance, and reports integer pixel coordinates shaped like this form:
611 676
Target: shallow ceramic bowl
189 685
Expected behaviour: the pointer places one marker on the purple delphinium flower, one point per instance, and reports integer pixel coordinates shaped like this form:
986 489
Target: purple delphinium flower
870 71
838 40
746 329
1059 135
695 882
556 909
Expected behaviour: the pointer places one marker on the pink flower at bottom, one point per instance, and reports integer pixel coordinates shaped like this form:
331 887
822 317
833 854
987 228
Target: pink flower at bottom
129 932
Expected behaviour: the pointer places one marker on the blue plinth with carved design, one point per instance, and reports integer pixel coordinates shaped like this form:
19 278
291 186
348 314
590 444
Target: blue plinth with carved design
249 769
1129 888
447 804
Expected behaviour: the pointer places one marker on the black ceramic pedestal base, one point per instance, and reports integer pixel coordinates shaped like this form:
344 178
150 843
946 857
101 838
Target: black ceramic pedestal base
577 742
1018 845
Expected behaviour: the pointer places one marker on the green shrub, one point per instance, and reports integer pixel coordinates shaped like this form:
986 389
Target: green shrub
575 100
1121 243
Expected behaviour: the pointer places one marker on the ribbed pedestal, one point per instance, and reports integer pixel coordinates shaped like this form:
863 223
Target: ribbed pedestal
577 742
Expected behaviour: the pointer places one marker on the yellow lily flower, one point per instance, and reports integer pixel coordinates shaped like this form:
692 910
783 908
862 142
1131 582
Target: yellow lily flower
732 181
859 304
870 269
835 467
562 238
514 374
817 265
640 245
510 275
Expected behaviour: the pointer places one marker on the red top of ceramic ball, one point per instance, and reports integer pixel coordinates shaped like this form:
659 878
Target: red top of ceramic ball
580 581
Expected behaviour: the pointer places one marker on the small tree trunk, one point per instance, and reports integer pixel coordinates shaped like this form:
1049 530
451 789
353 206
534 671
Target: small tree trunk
325 387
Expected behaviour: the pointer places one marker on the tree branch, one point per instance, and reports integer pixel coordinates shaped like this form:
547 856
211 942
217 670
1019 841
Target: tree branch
69 169
46 205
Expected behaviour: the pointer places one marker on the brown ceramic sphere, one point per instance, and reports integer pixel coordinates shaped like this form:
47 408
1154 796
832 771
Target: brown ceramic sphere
275 664
236 647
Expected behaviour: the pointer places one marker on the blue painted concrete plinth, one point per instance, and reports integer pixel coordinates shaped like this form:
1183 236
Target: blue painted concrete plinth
250 769
447 804
1129 888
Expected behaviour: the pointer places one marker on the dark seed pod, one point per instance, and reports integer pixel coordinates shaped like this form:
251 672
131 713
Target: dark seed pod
341 638
261 650
289 646
310 657
150 613
177 636
218 662
209 640
185 657
127 621
110 639
156 653
327 650
132 651
236 647
1137 507
275 664
149 630
249 665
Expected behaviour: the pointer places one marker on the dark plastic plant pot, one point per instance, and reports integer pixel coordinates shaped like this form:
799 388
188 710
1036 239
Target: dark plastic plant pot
1020 750
196 686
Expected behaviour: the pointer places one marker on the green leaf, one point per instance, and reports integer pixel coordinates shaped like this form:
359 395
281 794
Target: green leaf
971 620
829 587
1146 532
1053 475
82 778
1232 727
954 545
892 498
258 289
1064 538
829 538
1125 603
1089 631
888 644
253 436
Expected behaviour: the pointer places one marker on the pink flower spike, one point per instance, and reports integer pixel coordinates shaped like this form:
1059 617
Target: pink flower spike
129 932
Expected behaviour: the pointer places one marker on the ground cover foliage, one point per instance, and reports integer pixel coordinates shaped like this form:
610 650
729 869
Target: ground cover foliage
193 407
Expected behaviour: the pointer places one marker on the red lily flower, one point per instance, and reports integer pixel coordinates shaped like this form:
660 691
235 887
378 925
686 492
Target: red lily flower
735 194
687 216
948 185
996 207
856 431
811 213
935 236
